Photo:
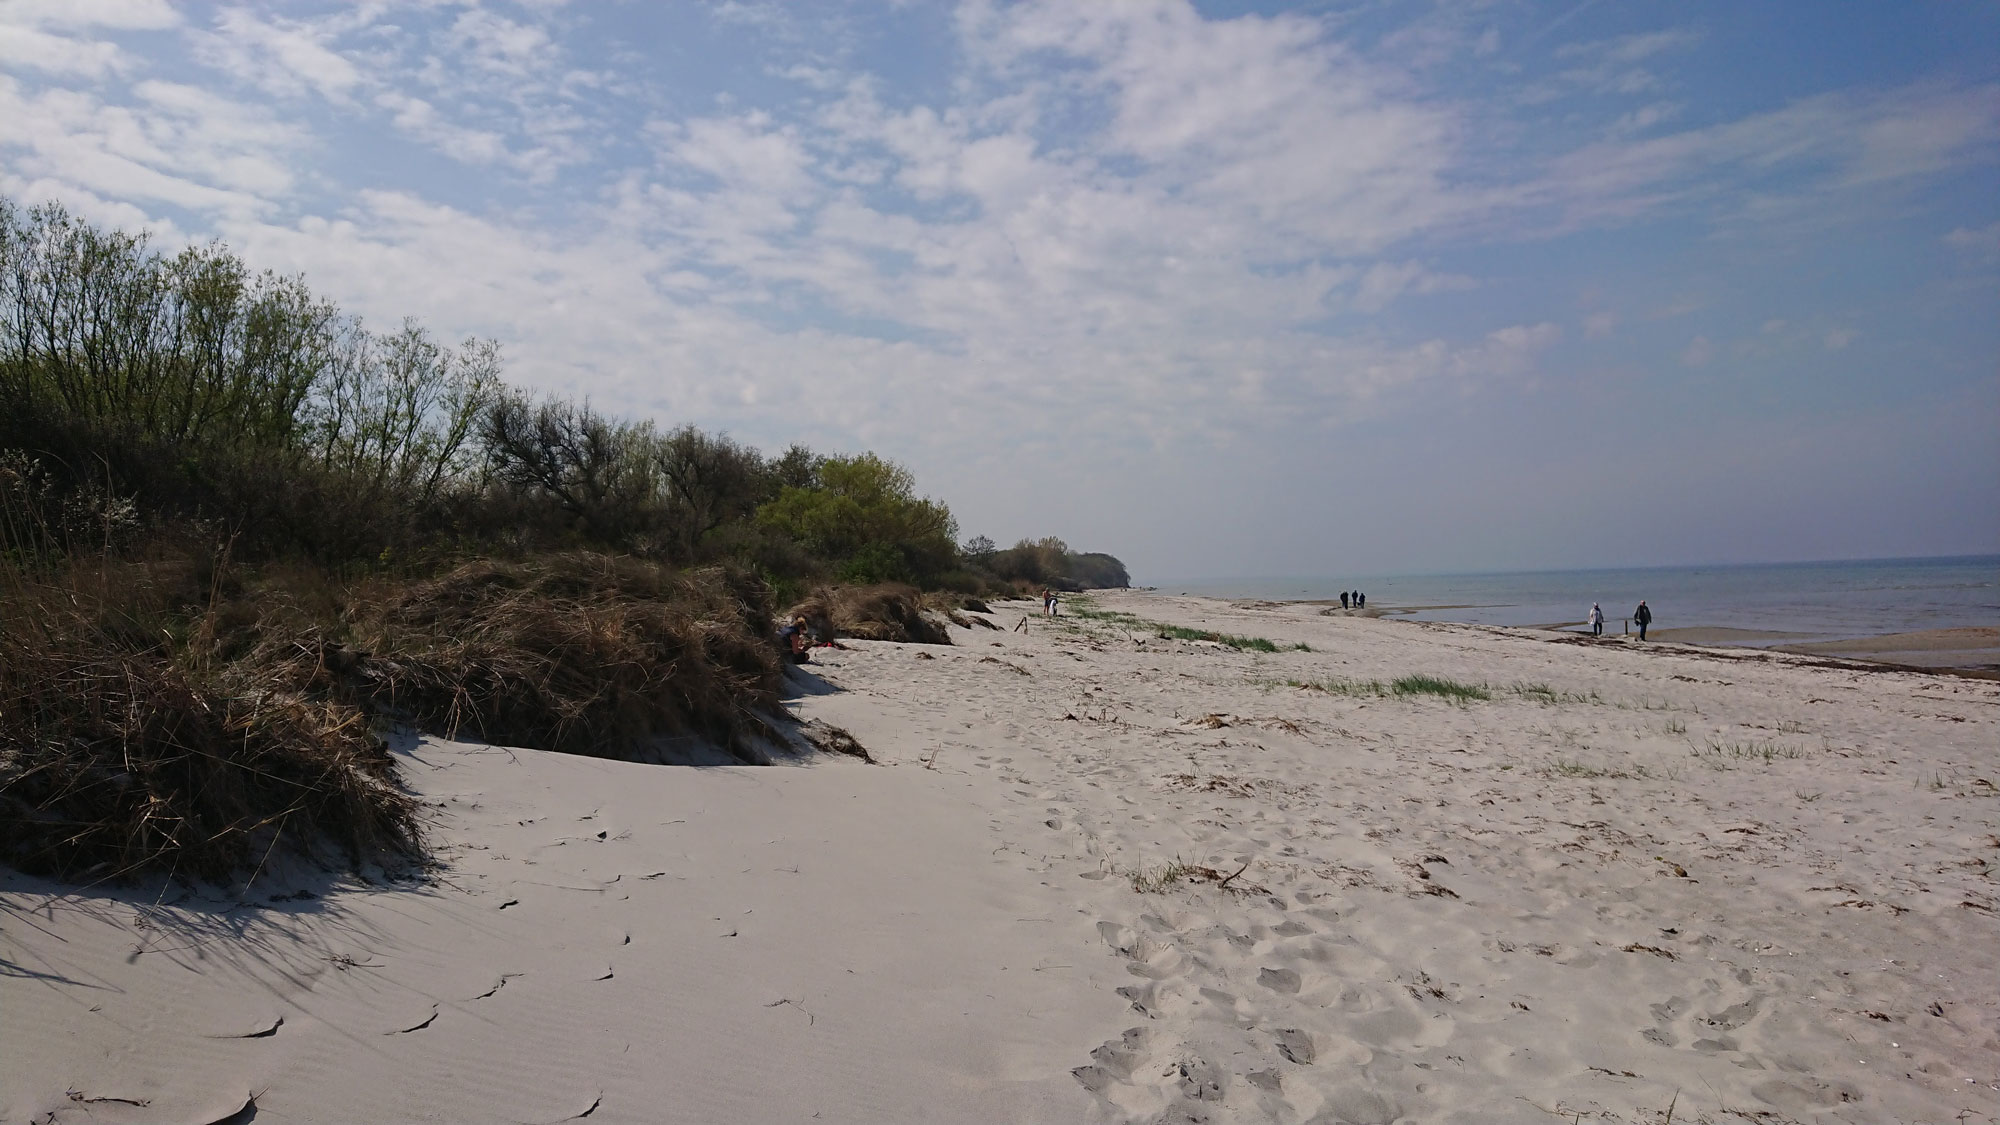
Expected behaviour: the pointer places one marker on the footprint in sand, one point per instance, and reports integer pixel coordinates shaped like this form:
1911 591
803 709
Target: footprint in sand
1296 1045
1229 1008
1200 1079
1279 980
1361 1107
1114 1061
1123 940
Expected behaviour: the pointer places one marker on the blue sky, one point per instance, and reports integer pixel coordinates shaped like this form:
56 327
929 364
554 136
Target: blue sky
1224 288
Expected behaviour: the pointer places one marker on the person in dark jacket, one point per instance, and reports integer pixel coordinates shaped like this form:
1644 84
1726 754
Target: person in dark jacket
1642 617
1343 599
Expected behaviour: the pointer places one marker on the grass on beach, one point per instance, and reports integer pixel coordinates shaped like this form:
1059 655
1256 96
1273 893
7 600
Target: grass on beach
1456 691
1081 608
1404 686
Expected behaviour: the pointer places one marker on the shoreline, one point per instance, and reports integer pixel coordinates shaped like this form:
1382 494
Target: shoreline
1965 649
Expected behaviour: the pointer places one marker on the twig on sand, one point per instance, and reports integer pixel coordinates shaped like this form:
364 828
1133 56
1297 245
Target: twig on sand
794 1003
1232 875
81 1098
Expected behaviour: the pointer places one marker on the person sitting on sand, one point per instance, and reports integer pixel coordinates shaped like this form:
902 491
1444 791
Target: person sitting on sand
1596 621
797 639
1642 617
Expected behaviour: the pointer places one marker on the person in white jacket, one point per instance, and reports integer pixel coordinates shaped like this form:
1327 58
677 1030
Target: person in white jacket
1596 620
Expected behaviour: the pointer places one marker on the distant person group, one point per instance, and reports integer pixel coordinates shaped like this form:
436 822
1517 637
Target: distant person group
1642 617
1353 599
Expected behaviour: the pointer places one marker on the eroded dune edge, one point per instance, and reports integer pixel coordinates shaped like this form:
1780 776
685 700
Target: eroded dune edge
1405 873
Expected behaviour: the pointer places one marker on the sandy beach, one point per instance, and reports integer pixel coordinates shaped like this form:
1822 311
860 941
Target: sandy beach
1097 875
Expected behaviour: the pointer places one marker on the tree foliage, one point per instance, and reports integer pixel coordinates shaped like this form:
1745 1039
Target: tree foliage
140 388
866 518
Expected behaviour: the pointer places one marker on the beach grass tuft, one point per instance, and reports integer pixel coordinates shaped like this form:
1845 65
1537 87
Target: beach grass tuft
1084 609
1454 690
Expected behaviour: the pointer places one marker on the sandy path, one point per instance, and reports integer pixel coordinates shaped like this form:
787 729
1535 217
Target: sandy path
1742 886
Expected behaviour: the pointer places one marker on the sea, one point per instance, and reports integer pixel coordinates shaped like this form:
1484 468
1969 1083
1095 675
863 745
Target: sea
1812 600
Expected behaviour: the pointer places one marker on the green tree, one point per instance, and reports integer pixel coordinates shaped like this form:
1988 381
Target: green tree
865 518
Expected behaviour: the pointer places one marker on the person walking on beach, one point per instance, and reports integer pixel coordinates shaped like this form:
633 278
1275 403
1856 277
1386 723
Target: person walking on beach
1596 620
1642 617
1360 600
1343 599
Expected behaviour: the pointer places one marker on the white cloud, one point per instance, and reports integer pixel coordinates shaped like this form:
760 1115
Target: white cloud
1385 281
289 59
27 47
1610 67
1814 147
122 15
498 44
419 119
1984 241
175 144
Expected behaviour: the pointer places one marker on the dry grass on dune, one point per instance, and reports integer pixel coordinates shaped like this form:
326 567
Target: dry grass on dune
117 760
169 716
580 653
888 612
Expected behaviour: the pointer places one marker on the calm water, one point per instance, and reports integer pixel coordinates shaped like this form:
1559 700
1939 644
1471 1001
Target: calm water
1829 599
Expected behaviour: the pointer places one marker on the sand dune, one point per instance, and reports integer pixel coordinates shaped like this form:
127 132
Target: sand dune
1102 876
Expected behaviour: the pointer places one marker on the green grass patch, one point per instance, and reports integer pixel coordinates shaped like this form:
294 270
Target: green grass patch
1080 608
1544 694
1749 751
1339 686
1455 690
1401 687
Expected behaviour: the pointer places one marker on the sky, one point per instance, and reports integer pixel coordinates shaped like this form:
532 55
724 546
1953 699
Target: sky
1223 288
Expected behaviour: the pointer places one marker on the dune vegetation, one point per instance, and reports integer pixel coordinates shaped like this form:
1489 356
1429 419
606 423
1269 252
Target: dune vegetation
243 536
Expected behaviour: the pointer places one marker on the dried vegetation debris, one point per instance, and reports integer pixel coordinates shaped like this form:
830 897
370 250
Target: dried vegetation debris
114 762
885 612
177 720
